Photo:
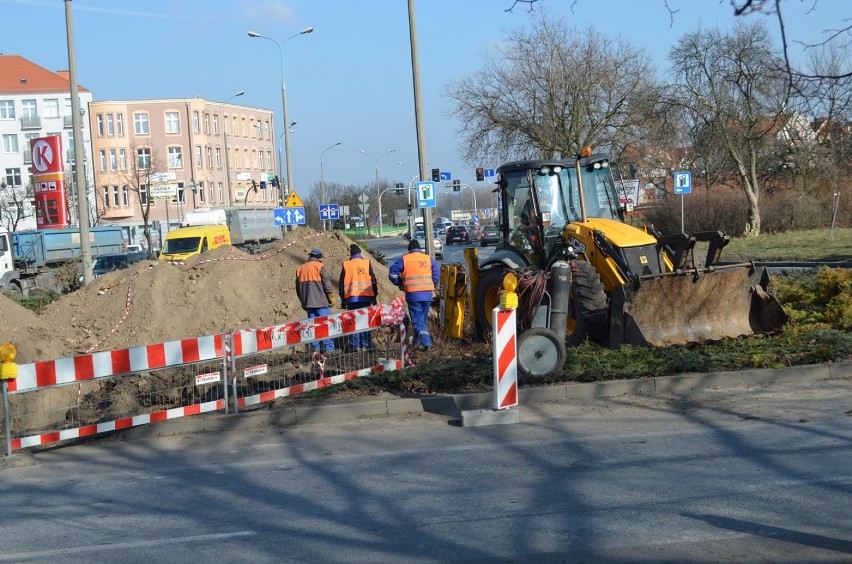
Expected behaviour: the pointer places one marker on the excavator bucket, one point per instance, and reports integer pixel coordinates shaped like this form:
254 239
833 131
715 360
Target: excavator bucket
676 309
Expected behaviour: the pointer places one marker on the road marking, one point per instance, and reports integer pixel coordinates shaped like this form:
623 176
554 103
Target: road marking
122 546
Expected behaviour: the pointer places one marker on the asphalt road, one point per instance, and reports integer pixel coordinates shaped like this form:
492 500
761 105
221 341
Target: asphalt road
395 247
761 473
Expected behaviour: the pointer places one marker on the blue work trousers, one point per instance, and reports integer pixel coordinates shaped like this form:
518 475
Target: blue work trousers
360 340
327 344
419 312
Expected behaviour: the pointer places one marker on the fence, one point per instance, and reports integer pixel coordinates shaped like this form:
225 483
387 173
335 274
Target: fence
81 396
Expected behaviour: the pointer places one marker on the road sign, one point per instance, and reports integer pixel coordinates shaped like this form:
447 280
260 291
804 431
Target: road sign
294 201
489 172
446 175
289 216
426 194
329 211
682 182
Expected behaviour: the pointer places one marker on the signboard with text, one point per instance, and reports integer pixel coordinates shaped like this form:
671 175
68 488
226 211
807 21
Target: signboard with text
51 201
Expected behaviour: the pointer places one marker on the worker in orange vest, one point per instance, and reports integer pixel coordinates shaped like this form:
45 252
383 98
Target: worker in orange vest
417 274
358 288
313 286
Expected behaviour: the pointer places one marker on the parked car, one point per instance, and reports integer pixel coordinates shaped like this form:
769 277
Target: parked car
439 247
116 261
457 234
490 235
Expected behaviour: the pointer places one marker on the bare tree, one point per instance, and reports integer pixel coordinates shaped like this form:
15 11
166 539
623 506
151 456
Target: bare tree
734 87
142 168
553 90
13 204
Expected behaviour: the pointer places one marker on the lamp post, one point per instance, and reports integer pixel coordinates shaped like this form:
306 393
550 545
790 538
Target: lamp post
225 145
281 168
322 179
290 182
378 195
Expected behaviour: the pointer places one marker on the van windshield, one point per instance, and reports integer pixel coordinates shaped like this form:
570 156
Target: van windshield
182 245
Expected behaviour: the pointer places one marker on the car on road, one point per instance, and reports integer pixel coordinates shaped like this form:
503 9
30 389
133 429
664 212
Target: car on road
457 234
490 235
439 247
116 261
442 226
473 229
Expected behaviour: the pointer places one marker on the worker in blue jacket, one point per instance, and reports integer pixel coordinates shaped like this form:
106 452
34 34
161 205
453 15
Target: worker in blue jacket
417 274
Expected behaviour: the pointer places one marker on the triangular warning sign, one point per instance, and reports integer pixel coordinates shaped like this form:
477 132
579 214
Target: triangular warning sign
294 201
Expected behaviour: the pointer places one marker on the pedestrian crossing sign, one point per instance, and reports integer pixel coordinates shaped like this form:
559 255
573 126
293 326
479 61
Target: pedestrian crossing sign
294 201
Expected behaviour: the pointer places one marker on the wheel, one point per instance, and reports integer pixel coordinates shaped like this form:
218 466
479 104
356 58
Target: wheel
487 298
14 290
588 315
540 352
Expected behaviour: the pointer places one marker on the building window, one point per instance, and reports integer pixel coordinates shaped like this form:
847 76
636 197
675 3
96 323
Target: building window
7 109
10 143
266 130
122 159
244 128
195 126
268 160
102 155
175 160
71 142
181 194
236 159
172 122
112 161
125 195
220 194
246 159
206 123
29 109
253 129
218 157
51 107
201 192
215 124
143 194
106 196
13 177
209 158
143 158
100 121
199 159
115 197
140 124
110 125
119 121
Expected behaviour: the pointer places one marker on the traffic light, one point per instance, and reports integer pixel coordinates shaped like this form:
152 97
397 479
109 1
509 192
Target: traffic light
436 175
275 181
480 174
399 189
410 211
456 185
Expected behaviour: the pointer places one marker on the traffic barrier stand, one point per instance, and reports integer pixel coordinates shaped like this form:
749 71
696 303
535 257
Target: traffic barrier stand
505 343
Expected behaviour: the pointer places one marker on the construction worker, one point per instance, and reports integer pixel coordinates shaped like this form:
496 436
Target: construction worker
313 286
417 274
358 288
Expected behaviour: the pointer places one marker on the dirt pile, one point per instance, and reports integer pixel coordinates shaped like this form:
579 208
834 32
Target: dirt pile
155 301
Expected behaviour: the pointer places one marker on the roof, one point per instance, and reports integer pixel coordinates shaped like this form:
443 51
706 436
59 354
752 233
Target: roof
20 76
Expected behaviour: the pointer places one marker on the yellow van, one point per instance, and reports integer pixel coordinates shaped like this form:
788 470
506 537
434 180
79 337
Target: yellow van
185 242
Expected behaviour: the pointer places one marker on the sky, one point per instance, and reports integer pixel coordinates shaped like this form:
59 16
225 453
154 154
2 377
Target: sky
350 80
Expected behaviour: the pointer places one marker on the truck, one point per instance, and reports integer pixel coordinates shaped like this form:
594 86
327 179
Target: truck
584 274
49 259
251 229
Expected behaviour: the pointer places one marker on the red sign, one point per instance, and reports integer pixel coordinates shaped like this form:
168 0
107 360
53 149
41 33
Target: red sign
47 154
51 202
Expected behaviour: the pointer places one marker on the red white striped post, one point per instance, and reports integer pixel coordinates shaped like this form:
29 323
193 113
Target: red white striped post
505 357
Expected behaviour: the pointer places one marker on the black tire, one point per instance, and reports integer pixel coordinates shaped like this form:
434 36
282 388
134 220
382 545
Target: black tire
589 311
487 298
14 290
540 352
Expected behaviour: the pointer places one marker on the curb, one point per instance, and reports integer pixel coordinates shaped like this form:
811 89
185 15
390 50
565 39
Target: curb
454 404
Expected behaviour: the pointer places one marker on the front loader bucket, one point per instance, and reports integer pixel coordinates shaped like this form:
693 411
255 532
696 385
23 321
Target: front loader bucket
694 307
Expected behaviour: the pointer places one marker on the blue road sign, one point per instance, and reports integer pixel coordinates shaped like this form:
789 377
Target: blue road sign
446 175
329 211
489 172
289 216
426 194
682 182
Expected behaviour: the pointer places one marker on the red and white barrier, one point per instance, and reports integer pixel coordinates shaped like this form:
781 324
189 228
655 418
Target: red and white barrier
505 357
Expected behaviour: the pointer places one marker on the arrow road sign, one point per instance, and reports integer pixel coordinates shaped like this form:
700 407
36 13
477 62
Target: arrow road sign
446 175
683 182
329 211
289 216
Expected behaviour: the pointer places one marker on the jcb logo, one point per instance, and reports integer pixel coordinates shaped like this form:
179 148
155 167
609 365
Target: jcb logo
578 246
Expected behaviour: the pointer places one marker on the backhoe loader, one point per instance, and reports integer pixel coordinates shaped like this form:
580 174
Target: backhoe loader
586 274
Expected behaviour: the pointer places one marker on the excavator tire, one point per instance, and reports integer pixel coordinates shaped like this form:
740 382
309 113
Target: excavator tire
487 298
589 313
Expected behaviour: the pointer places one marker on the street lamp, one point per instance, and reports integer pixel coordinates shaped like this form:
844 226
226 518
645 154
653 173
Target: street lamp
290 183
322 180
225 145
281 168
378 195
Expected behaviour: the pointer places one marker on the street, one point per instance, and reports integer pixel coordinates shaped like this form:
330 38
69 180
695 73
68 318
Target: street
395 247
741 473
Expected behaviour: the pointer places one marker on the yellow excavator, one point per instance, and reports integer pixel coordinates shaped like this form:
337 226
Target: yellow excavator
584 273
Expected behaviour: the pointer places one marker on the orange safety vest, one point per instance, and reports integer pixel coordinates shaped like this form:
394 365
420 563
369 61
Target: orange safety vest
309 272
356 279
417 273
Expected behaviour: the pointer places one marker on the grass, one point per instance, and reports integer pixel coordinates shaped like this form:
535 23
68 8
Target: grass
811 245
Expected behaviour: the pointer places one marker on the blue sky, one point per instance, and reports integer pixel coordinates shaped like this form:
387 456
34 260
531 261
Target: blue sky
349 80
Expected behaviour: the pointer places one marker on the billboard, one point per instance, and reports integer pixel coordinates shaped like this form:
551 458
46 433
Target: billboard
51 197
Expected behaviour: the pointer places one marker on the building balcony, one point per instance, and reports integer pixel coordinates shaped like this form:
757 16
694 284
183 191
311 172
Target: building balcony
31 122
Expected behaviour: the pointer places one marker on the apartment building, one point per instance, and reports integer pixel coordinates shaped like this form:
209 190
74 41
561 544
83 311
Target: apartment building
176 155
35 102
